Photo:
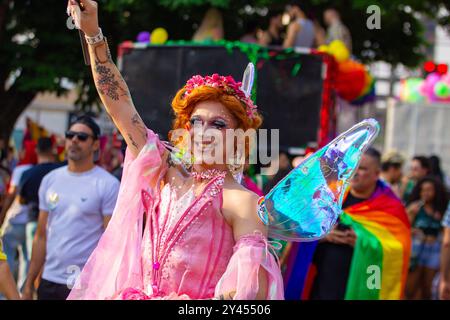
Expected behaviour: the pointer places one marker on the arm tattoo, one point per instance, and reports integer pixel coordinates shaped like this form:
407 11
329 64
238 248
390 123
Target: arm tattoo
137 121
132 141
107 83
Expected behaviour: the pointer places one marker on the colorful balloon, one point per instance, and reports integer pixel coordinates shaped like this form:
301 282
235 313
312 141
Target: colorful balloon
442 90
338 49
368 94
368 82
159 36
323 48
350 80
143 37
411 90
428 86
434 88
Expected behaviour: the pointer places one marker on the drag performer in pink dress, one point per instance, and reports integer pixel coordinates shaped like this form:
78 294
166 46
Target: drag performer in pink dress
178 231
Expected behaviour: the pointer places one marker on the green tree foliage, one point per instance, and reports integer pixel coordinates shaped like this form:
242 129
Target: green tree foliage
38 53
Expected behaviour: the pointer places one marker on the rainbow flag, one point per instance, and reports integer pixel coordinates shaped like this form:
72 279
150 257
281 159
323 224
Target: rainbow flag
380 258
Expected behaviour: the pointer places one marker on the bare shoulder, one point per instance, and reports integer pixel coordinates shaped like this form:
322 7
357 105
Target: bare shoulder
294 26
240 207
237 197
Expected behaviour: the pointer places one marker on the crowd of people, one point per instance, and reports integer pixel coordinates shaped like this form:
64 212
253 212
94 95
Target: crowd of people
77 184
39 183
422 191
302 29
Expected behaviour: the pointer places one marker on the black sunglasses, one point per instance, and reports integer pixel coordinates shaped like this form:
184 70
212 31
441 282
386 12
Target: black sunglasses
82 136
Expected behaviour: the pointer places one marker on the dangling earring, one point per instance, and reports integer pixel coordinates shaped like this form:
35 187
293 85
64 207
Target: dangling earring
180 154
236 167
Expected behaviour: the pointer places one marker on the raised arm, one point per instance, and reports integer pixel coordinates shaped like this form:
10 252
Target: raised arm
111 86
292 31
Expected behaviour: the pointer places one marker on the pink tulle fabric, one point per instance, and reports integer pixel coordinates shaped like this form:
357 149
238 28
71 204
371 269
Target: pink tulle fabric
251 253
161 245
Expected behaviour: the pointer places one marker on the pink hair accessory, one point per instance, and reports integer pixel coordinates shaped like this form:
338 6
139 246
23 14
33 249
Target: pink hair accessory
229 85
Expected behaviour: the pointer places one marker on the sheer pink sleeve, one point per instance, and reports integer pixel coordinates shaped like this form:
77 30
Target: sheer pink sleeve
115 264
133 294
251 253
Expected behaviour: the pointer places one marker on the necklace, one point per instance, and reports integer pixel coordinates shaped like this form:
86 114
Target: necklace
208 174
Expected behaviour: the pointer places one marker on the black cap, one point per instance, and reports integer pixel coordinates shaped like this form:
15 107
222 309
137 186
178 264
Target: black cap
89 122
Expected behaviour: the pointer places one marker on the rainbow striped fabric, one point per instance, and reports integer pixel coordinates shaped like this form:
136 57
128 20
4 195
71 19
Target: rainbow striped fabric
382 249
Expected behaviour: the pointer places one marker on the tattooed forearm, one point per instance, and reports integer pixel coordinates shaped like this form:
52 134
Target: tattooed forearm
109 82
116 97
133 143
107 85
139 124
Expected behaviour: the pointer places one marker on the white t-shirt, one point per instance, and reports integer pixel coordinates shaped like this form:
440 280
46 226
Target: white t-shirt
17 213
76 204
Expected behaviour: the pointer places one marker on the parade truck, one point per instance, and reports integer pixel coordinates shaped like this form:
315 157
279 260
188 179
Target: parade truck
293 88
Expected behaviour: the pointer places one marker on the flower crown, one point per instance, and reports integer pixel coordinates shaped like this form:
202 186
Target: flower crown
228 85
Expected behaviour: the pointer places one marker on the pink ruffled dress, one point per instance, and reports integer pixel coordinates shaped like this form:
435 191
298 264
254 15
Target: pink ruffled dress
161 245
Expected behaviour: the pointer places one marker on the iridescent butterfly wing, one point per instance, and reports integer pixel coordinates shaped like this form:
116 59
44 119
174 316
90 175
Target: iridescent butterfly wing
305 205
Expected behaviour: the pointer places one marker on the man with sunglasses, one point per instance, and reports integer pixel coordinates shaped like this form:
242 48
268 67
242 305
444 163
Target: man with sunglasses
76 202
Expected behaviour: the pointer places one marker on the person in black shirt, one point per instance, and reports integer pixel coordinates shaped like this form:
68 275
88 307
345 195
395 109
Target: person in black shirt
272 36
30 182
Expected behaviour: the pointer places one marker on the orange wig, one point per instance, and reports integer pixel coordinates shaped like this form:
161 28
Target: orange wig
183 106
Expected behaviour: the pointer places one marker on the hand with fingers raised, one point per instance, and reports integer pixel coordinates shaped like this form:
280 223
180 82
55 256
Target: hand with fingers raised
85 15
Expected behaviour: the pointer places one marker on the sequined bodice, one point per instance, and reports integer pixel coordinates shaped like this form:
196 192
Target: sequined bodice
187 243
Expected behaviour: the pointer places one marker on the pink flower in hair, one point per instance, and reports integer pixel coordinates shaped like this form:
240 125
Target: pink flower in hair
227 84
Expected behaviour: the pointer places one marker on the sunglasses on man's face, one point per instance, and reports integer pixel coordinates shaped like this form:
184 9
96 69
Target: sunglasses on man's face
82 136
